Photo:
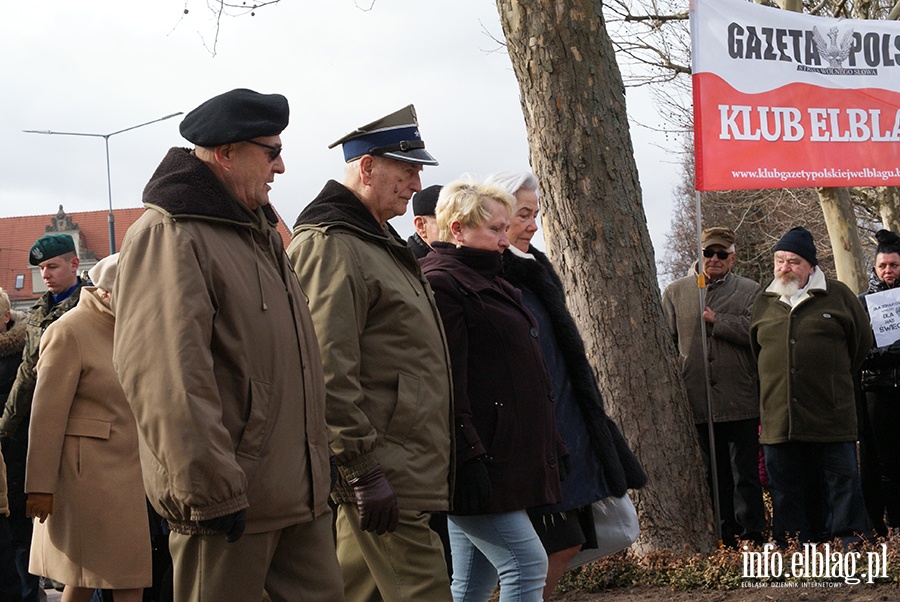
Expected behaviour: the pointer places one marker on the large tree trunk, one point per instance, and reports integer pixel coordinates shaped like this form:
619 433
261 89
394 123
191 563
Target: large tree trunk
595 228
844 235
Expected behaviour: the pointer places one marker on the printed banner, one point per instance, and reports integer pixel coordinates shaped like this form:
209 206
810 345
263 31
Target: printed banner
788 100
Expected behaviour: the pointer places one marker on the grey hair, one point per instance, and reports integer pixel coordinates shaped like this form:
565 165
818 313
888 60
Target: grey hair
4 302
512 181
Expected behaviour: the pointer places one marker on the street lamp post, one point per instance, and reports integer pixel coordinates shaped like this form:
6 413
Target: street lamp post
106 137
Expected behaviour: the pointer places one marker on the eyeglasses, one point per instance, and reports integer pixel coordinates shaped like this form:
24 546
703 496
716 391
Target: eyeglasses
274 151
723 255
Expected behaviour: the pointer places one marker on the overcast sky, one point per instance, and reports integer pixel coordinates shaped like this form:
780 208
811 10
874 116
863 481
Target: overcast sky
107 65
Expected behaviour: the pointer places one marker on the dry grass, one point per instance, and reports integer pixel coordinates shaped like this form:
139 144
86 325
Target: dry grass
722 570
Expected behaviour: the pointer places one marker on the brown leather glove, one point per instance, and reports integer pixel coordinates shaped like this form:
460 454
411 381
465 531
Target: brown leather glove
376 501
39 505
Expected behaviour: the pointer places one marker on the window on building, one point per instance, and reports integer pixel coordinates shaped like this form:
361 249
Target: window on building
20 281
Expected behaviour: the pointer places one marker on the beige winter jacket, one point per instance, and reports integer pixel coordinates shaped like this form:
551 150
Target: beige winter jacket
218 358
386 364
83 448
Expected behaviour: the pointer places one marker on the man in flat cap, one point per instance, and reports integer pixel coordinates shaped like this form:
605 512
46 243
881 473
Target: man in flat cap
55 256
216 352
810 335
731 368
424 221
387 372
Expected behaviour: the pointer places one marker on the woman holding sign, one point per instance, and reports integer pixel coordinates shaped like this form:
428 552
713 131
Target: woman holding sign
879 444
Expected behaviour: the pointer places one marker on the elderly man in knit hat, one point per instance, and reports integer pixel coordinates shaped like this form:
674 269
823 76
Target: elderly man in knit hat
387 369
731 370
810 336
217 355
55 256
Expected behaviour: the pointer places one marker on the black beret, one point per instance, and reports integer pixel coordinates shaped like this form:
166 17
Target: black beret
49 246
425 201
234 117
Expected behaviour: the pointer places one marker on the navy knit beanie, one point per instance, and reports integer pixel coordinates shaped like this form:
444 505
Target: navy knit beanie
798 240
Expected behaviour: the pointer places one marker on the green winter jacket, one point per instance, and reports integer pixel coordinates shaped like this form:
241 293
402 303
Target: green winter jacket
387 370
808 356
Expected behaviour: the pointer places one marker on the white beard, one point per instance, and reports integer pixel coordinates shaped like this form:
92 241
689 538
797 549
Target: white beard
785 289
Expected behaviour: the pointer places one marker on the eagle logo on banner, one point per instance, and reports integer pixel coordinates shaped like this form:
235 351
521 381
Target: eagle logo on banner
831 50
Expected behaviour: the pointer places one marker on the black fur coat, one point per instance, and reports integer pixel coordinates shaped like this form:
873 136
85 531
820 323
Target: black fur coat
621 468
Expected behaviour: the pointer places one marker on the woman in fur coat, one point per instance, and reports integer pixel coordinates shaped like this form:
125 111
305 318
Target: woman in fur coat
602 465
83 469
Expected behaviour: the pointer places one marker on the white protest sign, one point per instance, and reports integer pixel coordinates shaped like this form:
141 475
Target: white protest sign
884 311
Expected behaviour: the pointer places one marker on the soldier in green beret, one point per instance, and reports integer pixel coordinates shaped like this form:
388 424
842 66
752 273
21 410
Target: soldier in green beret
56 258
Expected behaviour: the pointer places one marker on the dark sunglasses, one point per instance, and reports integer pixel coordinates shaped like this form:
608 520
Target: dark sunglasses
723 255
274 151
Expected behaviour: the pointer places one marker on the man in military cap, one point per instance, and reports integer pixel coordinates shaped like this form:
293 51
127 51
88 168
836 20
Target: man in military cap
423 203
55 257
216 352
732 378
387 371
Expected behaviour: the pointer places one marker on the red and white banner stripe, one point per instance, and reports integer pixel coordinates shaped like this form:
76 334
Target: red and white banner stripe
788 100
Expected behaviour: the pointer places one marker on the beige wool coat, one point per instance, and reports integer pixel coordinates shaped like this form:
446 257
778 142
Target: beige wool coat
84 450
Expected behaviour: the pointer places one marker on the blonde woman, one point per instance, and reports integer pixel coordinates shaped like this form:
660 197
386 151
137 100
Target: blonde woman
508 452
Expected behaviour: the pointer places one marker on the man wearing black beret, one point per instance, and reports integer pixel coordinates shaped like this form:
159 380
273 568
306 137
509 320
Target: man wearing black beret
216 352
55 256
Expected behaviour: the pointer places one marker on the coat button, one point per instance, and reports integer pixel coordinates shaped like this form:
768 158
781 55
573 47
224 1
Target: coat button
792 341
534 332
793 371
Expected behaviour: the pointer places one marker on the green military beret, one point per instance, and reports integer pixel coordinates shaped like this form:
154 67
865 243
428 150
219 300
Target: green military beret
50 245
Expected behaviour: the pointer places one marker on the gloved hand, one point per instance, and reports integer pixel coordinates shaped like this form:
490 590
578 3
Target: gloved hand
39 505
564 467
473 487
376 501
232 525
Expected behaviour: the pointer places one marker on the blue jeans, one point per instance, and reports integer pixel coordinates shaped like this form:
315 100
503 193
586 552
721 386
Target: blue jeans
491 546
816 491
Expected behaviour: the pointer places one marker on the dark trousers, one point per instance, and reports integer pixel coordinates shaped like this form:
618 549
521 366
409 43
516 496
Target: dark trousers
737 466
880 458
10 585
801 474
15 451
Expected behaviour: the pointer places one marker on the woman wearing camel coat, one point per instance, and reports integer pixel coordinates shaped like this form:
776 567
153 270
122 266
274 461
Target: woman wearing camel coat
83 468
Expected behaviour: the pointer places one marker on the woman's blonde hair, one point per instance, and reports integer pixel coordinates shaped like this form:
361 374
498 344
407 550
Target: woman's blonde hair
4 302
466 201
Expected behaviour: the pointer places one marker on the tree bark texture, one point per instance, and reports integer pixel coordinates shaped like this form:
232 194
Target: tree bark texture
889 207
844 234
573 100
